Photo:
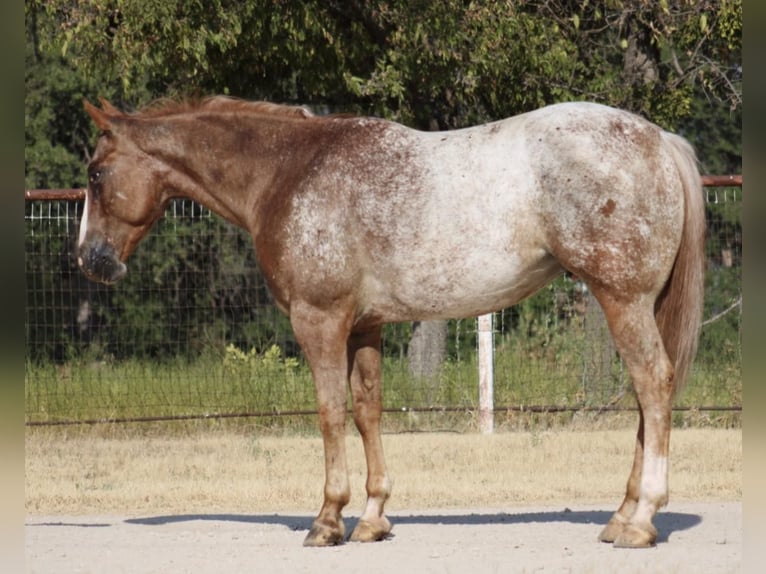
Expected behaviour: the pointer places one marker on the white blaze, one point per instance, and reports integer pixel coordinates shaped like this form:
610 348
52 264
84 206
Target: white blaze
83 226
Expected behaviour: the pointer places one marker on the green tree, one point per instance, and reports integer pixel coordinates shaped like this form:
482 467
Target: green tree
447 61
56 131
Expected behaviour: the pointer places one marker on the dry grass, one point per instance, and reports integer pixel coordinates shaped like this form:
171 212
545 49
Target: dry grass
80 472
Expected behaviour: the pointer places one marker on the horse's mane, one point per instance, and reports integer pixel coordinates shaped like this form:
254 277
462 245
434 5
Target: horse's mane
168 107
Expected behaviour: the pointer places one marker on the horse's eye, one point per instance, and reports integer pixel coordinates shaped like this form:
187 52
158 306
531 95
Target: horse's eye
95 176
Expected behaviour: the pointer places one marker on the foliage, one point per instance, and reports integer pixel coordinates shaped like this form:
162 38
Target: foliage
446 63
57 132
252 363
720 345
717 135
50 301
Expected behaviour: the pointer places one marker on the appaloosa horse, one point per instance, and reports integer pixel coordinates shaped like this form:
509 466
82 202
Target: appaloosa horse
359 221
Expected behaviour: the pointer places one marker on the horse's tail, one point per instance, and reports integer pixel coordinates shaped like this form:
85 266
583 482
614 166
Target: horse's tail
679 308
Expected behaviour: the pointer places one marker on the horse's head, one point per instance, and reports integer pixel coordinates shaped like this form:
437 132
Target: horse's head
123 199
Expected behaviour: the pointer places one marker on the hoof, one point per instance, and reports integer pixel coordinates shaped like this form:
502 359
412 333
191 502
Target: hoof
633 536
613 529
322 534
371 530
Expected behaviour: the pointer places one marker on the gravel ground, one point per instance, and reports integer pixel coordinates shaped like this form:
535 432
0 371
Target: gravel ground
694 537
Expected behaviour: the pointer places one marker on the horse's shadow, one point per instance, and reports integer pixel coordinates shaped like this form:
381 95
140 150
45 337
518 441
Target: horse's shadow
666 522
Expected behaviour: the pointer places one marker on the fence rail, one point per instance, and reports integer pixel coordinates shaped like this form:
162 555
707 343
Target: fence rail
194 335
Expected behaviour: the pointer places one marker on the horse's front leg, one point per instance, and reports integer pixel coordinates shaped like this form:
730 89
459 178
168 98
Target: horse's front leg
365 365
322 337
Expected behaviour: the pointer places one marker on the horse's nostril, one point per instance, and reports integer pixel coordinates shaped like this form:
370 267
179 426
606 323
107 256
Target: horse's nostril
100 263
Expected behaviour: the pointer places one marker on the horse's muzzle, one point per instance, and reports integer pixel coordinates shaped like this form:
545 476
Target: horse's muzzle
100 263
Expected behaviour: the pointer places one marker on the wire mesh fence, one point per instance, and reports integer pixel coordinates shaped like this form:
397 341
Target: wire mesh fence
192 332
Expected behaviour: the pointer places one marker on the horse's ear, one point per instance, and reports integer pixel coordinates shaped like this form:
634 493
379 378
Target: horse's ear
99 117
109 108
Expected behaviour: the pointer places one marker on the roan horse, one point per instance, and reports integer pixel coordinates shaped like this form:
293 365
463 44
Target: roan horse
359 221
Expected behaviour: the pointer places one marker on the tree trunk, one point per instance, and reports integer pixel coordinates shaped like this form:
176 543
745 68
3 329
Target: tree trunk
641 56
599 354
427 349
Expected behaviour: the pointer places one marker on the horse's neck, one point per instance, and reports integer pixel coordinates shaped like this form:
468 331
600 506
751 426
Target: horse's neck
227 167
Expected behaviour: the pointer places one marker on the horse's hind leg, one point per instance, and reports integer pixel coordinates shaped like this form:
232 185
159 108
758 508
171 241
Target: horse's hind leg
322 336
638 340
365 365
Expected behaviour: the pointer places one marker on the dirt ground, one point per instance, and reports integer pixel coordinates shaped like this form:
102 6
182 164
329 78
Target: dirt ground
694 537
230 503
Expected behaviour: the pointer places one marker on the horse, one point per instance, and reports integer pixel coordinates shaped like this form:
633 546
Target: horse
359 221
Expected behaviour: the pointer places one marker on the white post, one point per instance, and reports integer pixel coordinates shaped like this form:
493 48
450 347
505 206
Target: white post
486 375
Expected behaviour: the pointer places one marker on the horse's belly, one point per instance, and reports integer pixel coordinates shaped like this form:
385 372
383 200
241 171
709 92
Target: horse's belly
454 290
